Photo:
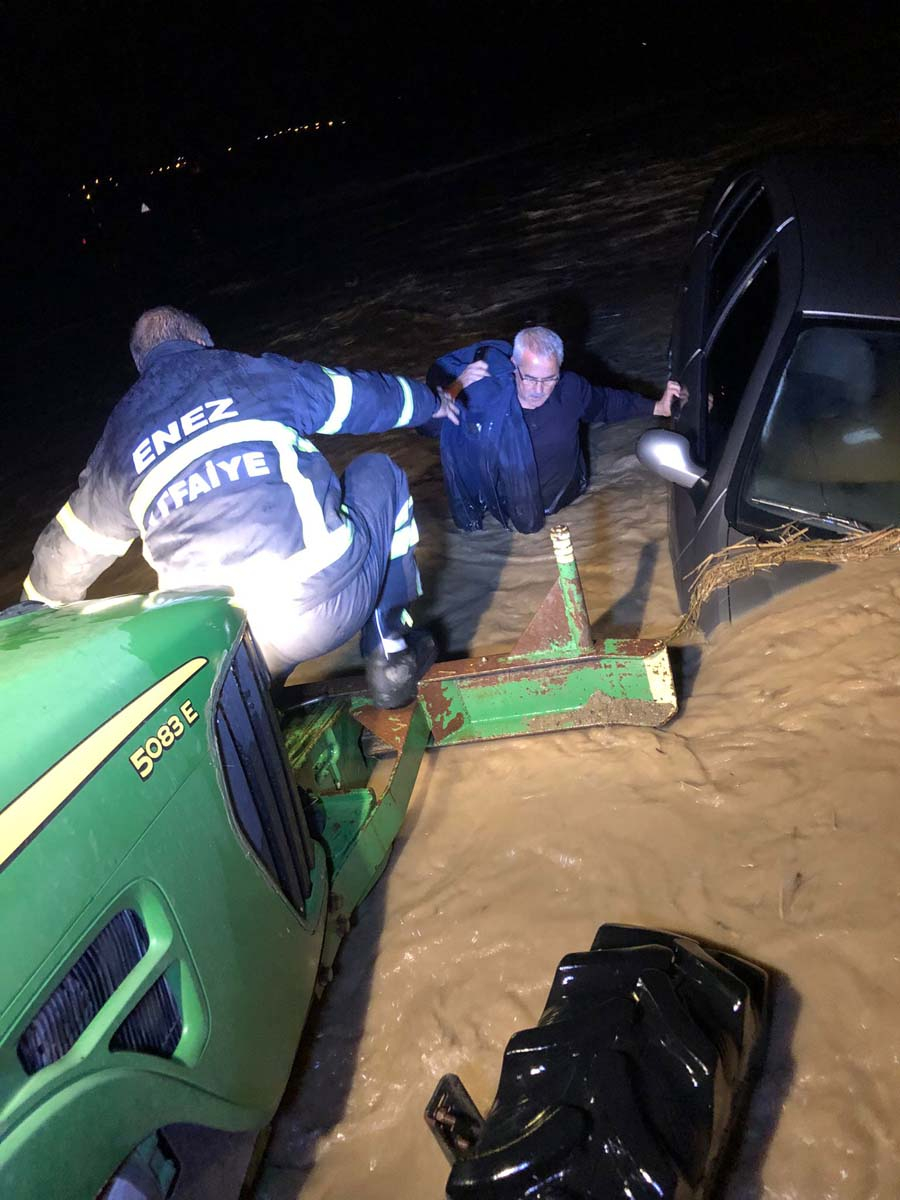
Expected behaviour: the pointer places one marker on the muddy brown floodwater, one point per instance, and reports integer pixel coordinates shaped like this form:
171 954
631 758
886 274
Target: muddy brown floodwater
762 817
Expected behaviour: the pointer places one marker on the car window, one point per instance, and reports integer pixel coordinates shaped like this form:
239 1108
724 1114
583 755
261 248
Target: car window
732 355
829 451
741 236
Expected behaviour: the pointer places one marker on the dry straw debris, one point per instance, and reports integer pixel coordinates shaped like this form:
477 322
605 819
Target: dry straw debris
750 556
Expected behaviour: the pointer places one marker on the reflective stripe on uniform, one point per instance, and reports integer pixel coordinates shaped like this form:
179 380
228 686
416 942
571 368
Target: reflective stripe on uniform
407 411
321 545
33 594
343 398
310 559
89 539
404 539
264 577
406 533
265 583
177 462
404 514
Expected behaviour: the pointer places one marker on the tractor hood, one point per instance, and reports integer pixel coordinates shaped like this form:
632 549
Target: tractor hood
106 711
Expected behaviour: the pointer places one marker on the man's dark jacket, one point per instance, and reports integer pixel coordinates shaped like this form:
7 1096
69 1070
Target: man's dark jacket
493 462
207 458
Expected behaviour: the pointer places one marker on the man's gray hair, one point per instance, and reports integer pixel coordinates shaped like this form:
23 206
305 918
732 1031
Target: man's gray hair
540 341
164 324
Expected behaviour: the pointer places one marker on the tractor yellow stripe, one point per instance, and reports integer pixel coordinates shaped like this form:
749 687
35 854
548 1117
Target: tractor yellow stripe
33 808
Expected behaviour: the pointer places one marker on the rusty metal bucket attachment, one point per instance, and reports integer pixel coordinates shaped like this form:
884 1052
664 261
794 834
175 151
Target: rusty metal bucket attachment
556 677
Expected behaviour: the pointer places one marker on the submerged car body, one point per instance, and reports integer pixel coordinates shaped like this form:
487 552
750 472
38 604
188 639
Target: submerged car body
787 338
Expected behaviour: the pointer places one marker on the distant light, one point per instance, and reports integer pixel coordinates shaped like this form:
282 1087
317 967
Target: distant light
84 241
84 187
96 181
330 123
229 149
87 196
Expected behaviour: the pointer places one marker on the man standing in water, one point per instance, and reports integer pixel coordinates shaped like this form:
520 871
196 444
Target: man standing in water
517 452
207 459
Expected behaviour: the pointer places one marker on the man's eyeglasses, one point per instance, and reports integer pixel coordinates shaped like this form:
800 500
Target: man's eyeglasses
548 381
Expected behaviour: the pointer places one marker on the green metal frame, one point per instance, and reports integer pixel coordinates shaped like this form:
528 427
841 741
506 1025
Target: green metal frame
356 804
627 683
555 678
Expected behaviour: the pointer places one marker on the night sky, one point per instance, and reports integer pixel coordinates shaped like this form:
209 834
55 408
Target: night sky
98 88
131 95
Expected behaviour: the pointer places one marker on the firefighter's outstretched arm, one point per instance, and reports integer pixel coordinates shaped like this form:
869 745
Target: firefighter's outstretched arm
337 400
85 537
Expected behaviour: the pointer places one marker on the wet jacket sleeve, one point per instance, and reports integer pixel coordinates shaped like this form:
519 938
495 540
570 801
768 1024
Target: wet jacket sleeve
335 400
607 404
444 370
91 530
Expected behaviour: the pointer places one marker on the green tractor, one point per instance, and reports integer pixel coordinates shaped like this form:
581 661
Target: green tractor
179 859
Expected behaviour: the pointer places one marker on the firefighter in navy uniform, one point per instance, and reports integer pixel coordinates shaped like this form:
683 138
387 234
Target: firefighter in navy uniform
206 459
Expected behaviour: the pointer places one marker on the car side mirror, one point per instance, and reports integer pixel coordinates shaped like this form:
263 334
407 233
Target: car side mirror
668 455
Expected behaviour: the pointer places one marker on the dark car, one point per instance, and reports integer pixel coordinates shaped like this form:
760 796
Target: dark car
787 337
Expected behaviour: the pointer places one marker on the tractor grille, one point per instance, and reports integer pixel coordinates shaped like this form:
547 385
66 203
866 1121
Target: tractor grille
153 1026
261 787
83 991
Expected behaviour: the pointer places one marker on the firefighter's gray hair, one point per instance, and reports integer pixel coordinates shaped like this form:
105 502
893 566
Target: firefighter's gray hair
164 324
540 341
